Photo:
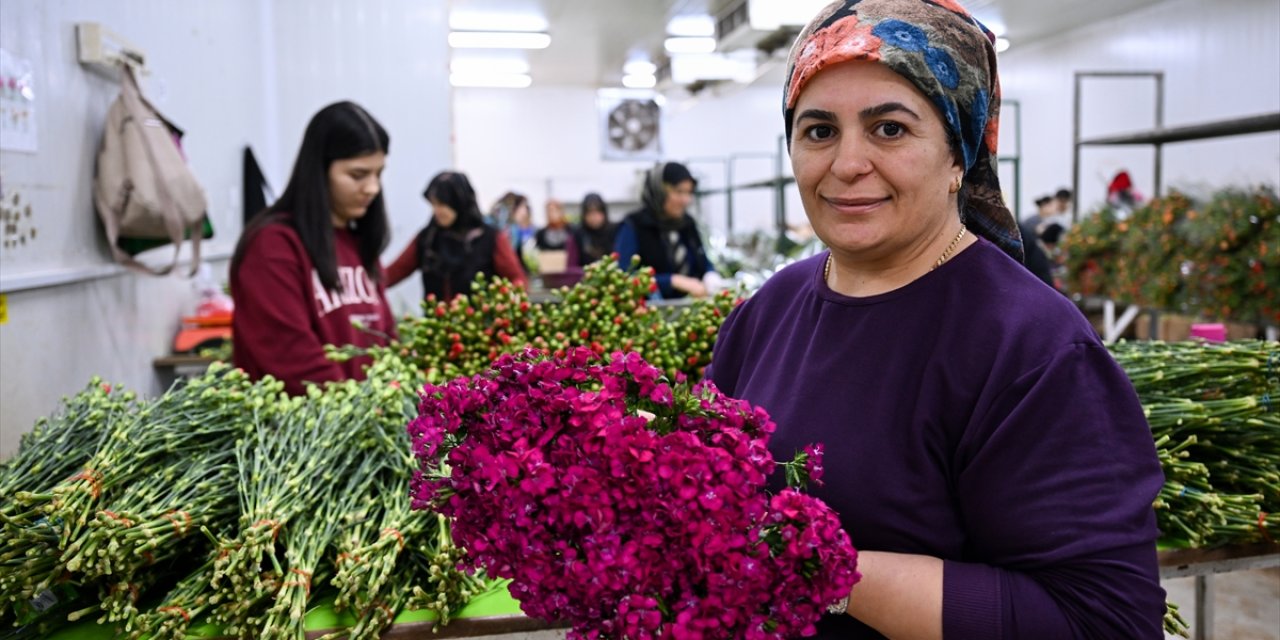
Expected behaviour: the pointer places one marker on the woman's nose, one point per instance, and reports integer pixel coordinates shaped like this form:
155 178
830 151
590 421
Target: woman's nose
852 159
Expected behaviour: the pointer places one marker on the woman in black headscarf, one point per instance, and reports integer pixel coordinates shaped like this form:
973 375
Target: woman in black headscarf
595 234
664 236
456 245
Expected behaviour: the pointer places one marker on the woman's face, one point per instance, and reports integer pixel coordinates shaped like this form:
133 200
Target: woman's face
444 214
520 215
679 196
555 216
593 218
871 160
353 184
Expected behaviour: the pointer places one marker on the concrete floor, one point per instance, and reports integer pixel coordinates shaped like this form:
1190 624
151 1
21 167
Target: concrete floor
1247 604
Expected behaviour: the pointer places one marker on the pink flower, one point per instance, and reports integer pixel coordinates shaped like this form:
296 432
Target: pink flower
813 463
623 526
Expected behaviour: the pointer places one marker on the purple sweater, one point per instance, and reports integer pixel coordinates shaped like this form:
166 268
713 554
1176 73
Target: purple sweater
972 415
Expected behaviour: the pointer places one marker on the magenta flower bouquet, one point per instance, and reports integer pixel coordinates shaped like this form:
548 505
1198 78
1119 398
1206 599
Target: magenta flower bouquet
626 505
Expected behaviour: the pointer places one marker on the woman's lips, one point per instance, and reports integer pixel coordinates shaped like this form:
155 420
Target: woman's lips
855 205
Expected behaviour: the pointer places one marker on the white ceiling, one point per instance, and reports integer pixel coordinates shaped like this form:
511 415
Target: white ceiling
592 39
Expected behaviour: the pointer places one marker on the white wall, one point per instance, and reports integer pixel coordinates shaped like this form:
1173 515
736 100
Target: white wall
57 337
391 57
231 73
1220 60
745 126
193 46
545 142
542 142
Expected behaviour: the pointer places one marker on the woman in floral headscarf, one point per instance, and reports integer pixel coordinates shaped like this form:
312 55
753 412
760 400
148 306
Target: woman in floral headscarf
987 456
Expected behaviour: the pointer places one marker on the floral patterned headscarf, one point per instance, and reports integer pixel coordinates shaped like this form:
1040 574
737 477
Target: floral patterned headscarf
950 57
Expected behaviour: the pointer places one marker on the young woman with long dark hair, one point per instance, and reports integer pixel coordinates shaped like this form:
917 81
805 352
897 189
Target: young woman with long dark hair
305 272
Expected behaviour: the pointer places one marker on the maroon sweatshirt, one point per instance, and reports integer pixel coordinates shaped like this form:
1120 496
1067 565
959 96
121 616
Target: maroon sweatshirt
284 316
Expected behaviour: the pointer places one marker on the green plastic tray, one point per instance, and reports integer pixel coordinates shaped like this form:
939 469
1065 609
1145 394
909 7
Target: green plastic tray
494 603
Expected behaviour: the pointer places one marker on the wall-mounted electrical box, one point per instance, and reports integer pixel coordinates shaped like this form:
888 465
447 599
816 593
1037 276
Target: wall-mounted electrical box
105 51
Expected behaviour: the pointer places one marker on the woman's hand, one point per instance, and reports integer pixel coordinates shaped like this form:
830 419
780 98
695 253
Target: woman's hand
900 595
692 286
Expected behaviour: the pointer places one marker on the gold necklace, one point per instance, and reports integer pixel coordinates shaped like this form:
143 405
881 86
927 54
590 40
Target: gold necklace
826 267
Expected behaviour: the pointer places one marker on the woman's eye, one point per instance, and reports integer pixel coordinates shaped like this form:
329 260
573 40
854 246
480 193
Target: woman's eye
891 129
820 132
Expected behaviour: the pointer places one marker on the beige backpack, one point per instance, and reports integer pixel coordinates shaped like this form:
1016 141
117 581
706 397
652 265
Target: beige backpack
143 189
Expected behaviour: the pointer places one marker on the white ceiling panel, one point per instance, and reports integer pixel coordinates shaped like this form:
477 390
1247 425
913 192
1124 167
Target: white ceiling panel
592 39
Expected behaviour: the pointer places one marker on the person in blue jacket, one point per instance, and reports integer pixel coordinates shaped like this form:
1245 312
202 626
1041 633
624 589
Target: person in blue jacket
665 237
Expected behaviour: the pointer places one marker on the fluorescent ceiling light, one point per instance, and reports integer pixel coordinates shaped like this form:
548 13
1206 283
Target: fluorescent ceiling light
689 45
692 26
496 21
639 81
771 15
488 65
494 80
690 68
639 68
1002 44
498 40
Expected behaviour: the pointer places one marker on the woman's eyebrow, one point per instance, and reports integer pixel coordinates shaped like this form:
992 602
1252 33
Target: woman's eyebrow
816 114
887 108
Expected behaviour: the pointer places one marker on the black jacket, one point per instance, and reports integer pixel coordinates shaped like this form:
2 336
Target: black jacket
594 244
656 251
1034 257
449 260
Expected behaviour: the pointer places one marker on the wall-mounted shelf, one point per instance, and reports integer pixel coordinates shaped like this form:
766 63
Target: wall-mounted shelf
1222 128
777 184
771 183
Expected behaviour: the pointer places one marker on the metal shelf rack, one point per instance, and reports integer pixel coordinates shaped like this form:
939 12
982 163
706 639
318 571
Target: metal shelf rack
1159 135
